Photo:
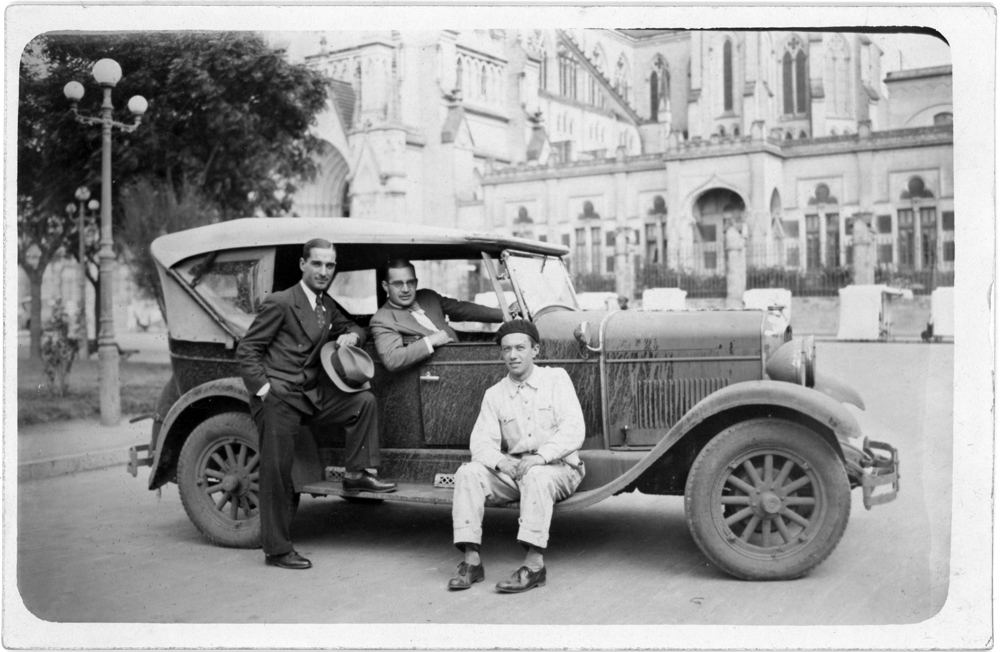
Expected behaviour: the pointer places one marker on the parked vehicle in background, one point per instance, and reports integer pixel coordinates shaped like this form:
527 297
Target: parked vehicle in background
722 407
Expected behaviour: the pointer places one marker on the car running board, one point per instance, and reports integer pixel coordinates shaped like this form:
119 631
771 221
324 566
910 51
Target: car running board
410 492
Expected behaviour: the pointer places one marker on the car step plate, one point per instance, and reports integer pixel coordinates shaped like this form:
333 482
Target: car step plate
405 492
440 493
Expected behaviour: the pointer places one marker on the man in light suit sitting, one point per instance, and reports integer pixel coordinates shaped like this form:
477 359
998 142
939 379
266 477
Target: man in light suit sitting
411 324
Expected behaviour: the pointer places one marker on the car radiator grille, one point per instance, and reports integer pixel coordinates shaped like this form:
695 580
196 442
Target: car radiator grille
662 403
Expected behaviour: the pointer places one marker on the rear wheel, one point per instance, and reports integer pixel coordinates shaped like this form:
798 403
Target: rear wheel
218 480
767 499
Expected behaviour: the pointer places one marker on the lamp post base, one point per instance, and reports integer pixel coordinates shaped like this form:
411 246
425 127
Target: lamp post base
111 404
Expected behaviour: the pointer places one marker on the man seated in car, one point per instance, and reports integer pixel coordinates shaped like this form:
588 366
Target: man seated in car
524 447
411 323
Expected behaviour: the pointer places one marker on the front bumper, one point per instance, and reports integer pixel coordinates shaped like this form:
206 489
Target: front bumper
880 468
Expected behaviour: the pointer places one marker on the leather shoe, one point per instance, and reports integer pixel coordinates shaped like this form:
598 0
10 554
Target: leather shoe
521 580
368 482
467 576
291 560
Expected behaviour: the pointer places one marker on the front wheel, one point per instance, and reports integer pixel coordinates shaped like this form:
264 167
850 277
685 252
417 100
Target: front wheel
767 499
218 479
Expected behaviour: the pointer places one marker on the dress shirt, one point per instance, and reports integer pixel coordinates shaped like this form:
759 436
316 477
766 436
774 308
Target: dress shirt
540 416
422 319
309 294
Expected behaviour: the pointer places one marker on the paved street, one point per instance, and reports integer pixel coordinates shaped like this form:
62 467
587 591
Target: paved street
98 547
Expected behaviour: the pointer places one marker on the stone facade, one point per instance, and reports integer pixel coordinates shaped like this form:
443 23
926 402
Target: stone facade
642 144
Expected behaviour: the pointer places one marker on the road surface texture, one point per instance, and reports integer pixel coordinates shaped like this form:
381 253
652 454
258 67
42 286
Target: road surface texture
99 547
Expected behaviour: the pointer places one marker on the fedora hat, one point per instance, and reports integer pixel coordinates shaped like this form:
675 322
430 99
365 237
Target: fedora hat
349 367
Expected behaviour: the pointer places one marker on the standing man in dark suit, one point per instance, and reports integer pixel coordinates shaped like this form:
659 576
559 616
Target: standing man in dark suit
280 363
411 323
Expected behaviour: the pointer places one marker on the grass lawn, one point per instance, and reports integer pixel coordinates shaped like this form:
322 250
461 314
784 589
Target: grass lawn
141 384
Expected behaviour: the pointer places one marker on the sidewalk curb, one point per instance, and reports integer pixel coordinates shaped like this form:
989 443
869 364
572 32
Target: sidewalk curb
69 464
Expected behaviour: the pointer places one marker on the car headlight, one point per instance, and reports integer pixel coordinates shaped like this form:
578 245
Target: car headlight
794 362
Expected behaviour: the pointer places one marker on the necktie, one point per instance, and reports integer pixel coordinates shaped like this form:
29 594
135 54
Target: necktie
320 313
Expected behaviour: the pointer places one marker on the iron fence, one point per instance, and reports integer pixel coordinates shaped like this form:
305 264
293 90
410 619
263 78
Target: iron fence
697 285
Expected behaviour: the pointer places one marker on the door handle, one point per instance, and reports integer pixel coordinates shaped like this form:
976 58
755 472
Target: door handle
428 378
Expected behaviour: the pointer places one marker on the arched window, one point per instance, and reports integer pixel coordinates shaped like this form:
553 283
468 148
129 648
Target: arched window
793 72
659 87
458 74
727 76
654 96
916 189
483 84
567 73
788 135
736 131
803 134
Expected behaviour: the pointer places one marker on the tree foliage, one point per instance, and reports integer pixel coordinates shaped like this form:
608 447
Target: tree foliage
226 132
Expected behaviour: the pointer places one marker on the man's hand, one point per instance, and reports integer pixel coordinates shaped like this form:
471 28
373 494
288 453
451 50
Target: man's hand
526 463
515 310
508 467
348 339
439 338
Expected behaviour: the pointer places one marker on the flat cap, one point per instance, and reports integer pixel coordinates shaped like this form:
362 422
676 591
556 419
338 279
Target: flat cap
517 326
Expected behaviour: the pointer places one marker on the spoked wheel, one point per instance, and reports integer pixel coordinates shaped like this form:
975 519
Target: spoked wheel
217 475
767 499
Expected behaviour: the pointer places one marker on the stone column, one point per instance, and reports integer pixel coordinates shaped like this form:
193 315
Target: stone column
624 266
864 251
736 266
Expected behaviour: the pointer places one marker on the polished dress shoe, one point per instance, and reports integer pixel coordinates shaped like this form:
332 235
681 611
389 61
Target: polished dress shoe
291 560
467 576
368 482
522 580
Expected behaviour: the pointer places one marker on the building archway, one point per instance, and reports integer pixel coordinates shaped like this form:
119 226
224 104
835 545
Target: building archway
327 195
714 211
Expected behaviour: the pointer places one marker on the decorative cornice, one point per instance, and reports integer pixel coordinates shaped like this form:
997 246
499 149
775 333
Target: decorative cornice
694 150
918 73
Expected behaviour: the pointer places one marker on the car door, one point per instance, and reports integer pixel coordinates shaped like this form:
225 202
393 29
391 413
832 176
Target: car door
452 383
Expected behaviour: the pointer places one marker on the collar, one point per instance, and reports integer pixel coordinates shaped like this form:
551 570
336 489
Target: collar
310 295
531 381
413 307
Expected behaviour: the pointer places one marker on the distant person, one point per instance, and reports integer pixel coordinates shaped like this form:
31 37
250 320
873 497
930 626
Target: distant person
411 324
280 361
524 447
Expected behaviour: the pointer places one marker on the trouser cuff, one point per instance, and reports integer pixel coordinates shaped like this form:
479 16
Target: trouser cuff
465 536
536 539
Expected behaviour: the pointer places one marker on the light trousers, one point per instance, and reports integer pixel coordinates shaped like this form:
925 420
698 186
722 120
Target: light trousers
538 491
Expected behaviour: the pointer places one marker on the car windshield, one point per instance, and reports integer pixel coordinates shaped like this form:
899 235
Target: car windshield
543 281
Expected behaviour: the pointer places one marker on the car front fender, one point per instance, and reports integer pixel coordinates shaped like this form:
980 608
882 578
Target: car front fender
171 435
756 394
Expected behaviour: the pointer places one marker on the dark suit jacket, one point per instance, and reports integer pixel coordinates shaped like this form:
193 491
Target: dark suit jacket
282 346
398 335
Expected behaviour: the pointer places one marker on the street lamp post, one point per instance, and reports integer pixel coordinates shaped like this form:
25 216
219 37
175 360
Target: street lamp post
107 73
82 195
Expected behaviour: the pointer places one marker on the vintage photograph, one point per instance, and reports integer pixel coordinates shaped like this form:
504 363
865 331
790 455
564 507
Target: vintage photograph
355 322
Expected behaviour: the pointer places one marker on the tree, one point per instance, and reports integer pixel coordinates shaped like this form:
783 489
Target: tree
51 154
227 130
